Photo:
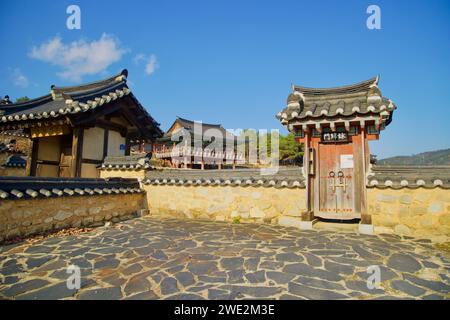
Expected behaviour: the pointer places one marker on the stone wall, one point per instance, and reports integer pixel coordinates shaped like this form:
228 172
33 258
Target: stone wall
29 216
122 173
227 203
415 212
13 171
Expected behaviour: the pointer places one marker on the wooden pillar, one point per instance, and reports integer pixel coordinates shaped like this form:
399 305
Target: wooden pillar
127 146
105 143
77 151
34 157
365 217
306 170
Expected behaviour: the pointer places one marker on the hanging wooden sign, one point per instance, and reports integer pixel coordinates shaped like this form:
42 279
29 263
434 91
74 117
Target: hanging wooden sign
334 137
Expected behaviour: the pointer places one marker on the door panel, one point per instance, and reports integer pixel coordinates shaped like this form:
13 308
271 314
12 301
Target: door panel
336 183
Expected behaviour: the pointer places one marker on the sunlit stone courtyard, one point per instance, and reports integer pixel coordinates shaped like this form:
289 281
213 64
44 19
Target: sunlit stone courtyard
151 258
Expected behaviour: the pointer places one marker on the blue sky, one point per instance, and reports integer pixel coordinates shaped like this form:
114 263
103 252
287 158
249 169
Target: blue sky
233 62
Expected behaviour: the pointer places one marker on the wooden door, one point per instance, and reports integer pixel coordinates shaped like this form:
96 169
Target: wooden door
336 196
65 163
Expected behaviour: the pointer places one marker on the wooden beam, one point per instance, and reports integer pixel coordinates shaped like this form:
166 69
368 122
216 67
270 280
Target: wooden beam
96 114
105 143
110 126
49 162
34 156
91 161
127 146
130 117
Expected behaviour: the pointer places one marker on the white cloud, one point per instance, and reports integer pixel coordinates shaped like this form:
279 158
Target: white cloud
79 58
138 58
19 79
151 64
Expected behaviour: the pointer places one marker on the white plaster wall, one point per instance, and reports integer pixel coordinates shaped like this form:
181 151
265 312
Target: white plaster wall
89 170
114 142
93 143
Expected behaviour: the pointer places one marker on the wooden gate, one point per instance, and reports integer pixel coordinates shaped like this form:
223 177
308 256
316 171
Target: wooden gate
336 194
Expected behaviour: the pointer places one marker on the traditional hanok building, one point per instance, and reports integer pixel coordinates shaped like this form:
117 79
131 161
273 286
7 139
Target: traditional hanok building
15 147
74 128
189 155
335 124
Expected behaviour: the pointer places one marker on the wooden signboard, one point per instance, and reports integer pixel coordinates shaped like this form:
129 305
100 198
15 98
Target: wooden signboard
334 137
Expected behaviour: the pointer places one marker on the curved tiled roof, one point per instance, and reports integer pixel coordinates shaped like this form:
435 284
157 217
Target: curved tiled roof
16 160
188 125
284 178
362 86
72 100
360 99
15 188
134 162
397 177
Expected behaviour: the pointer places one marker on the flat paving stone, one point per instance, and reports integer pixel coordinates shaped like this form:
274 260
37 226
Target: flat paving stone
185 278
156 258
202 267
52 292
307 270
23 287
112 293
232 263
169 286
407 288
280 277
256 277
403 262
313 293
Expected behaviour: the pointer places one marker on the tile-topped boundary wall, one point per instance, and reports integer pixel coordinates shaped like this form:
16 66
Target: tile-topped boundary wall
34 205
418 207
413 212
411 201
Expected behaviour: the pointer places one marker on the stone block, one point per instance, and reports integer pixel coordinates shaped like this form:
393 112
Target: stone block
234 214
436 207
426 221
366 228
63 215
402 229
289 222
385 198
48 220
256 195
308 225
406 199
256 213
95 210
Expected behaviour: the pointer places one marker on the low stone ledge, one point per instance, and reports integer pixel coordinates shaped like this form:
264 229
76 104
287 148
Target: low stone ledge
37 215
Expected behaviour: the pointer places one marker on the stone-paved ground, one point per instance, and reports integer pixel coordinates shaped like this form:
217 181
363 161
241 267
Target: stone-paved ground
149 258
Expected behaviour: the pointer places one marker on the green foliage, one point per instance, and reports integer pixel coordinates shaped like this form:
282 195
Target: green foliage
22 99
289 148
236 220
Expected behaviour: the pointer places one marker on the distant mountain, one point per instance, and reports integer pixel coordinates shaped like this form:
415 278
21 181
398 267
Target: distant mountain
435 158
